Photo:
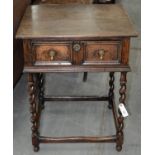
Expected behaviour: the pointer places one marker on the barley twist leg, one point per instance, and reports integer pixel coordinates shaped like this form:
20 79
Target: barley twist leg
33 109
41 89
122 92
111 89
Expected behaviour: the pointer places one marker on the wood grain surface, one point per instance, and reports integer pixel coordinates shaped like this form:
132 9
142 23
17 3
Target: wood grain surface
70 21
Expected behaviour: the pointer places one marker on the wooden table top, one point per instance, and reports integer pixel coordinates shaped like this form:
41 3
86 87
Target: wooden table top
75 21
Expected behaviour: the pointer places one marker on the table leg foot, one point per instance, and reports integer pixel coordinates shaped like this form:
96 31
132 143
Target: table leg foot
36 148
119 148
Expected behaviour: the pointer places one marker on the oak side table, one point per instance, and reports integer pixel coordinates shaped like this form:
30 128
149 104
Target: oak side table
75 38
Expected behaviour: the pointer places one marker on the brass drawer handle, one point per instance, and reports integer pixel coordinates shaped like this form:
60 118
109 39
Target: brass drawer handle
52 54
101 54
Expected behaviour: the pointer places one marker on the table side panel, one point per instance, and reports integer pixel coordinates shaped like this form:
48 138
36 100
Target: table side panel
125 51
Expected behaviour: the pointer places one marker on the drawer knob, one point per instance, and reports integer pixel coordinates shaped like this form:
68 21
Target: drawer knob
76 47
101 54
52 54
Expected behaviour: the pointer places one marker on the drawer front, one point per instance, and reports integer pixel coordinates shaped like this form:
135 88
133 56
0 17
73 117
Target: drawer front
105 52
52 54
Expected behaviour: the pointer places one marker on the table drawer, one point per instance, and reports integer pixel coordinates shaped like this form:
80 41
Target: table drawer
102 52
52 54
